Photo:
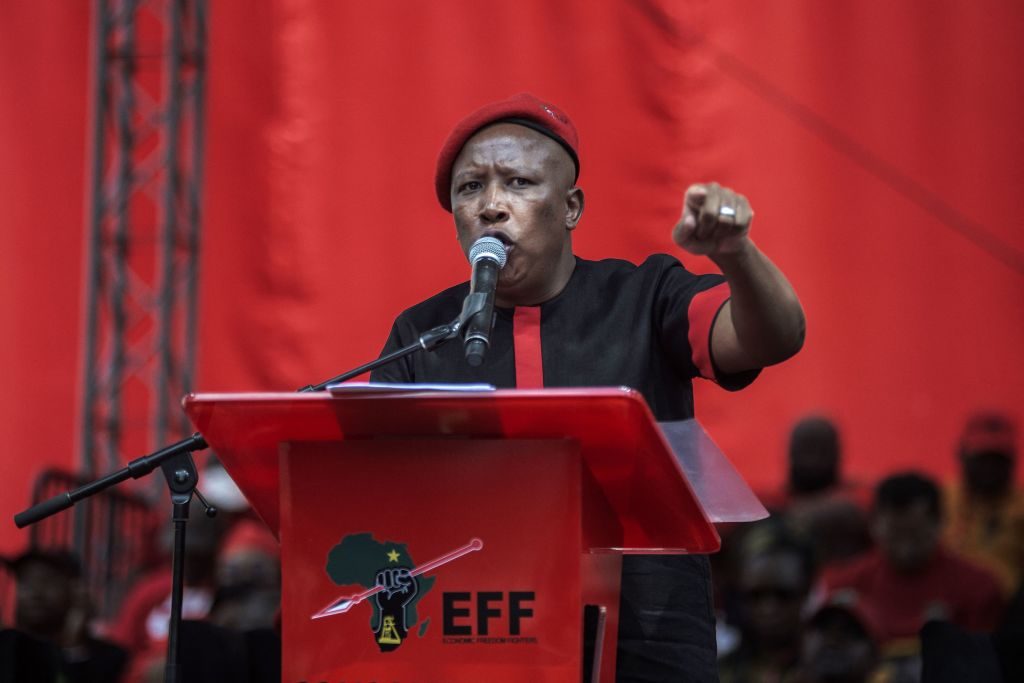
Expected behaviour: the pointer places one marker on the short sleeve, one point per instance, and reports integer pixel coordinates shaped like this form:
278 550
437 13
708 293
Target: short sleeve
687 307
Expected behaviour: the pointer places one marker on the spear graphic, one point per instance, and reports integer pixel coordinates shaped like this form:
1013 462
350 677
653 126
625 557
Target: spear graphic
342 605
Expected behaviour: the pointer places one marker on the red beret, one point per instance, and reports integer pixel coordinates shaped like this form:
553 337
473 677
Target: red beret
523 109
249 535
987 432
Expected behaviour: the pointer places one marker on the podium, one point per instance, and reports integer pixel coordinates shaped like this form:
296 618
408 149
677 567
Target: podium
453 537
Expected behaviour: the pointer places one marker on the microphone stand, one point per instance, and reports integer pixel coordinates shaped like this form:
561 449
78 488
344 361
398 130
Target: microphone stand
428 341
179 469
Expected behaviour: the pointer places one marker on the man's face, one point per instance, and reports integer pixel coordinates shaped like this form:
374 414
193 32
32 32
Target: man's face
907 537
515 184
813 457
773 588
837 649
43 598
988 474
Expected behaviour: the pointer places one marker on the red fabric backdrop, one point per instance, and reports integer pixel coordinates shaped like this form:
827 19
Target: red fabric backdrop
880 146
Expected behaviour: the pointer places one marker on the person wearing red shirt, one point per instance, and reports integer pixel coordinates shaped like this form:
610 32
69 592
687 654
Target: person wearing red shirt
910 578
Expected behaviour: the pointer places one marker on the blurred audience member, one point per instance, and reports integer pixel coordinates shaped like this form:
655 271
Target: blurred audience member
144 617
819 505
213 654
840 644
248 593
234 638
814 458
24 659
949 654
52 612
836 528
773 581
1008 639
986 512
911 578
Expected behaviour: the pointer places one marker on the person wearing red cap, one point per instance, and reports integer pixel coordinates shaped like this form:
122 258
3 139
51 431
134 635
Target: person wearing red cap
509 170
986 513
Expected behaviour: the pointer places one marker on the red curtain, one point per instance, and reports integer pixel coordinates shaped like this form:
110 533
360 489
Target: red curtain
44 104
880 146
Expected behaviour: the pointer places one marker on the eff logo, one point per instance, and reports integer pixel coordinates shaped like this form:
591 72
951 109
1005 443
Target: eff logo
394 583
486 617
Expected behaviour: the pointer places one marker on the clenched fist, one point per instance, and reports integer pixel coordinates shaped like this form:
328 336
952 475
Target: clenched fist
715 221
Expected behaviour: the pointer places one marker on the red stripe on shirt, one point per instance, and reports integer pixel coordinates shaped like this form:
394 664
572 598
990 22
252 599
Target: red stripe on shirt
526 341
704 306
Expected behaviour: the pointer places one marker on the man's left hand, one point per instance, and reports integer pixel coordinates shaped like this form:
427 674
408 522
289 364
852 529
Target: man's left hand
715 221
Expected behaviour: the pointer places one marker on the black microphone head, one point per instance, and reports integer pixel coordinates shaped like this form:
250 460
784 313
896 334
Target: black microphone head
488 247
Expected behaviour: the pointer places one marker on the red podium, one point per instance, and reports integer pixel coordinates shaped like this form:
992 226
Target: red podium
453 537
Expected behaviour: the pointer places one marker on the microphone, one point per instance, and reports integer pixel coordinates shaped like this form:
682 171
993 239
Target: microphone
488 257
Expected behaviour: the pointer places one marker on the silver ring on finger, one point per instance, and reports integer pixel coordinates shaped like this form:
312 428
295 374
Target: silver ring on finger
727 212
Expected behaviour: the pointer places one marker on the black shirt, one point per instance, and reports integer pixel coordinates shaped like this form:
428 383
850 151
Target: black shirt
614 324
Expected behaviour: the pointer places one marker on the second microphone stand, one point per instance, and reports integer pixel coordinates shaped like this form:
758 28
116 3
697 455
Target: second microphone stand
178 467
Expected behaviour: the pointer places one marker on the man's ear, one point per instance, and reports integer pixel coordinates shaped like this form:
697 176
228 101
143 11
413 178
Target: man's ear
573 207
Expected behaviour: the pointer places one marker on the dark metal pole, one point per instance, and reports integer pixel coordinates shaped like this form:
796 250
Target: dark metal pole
180 519
194 194
92 282
168 280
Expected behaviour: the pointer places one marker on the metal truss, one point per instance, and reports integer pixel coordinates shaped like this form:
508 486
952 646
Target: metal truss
143 237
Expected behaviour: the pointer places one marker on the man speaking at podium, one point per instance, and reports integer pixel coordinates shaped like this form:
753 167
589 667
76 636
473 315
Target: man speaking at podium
509 171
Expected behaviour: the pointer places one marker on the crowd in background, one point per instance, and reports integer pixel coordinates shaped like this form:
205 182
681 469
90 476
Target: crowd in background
899 582
230 604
